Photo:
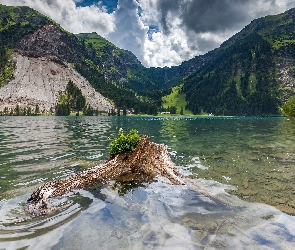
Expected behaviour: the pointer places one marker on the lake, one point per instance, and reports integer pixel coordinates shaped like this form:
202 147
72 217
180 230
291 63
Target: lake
241 194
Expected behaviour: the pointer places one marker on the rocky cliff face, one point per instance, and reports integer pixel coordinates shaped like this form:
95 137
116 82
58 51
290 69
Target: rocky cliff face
40 80
47 41
51 41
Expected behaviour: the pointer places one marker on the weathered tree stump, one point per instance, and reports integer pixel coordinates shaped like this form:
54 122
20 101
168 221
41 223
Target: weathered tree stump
148 158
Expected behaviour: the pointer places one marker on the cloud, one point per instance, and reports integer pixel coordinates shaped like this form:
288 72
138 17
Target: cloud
213 15
197 26
130 33
182 29
69 16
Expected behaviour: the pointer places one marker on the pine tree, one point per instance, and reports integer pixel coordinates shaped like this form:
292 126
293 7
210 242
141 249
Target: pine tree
17 110
37 109
29 111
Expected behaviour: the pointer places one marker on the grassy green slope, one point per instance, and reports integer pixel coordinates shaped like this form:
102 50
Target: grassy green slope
98 43
6 67
176 99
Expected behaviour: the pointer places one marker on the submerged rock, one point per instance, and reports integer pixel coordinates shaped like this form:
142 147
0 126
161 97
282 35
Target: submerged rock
149 159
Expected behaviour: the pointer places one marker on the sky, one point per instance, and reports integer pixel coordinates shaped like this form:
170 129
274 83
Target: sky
159 32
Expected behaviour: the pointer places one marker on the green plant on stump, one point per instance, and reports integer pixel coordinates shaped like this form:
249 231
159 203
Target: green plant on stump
124 142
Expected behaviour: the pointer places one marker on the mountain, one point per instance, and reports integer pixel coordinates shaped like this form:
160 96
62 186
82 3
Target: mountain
38 58
252 73
37 62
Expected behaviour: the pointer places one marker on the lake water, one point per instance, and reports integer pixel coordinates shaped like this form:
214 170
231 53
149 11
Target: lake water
244 168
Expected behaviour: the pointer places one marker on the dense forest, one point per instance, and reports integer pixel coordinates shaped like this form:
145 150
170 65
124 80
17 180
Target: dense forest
123 98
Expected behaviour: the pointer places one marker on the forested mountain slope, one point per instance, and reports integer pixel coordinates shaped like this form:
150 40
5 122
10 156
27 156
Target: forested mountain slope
251 74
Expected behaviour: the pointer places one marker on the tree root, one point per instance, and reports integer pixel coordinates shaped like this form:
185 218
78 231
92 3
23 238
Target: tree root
148 158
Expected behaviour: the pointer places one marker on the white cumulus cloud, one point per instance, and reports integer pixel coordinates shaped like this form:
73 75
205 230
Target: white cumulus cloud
74 19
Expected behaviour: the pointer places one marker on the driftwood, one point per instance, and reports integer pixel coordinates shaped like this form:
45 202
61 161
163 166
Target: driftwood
148 158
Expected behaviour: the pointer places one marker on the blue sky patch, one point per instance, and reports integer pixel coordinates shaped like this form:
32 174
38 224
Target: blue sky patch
152 29
110 4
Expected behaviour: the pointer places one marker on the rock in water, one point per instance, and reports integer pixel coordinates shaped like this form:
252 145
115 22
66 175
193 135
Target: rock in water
148 158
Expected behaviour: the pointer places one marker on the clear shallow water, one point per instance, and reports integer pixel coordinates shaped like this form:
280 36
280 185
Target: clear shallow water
253 159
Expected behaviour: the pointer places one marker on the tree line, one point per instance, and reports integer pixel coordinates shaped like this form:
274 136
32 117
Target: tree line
19 111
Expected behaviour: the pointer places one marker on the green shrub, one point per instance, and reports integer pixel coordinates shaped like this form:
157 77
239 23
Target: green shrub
289 108
124 143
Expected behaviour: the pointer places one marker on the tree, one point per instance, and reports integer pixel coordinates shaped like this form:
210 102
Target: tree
124 111
74 97
5 111
77 97
136 109
62 110
113 112
24 111
37 109
29 111
63 107
80 103
289 107
17 110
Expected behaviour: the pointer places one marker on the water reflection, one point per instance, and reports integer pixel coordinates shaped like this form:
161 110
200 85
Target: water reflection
250 158
254 155
160 216
36 149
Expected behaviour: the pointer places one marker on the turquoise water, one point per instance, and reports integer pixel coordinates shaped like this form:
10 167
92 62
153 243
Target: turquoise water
246 165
